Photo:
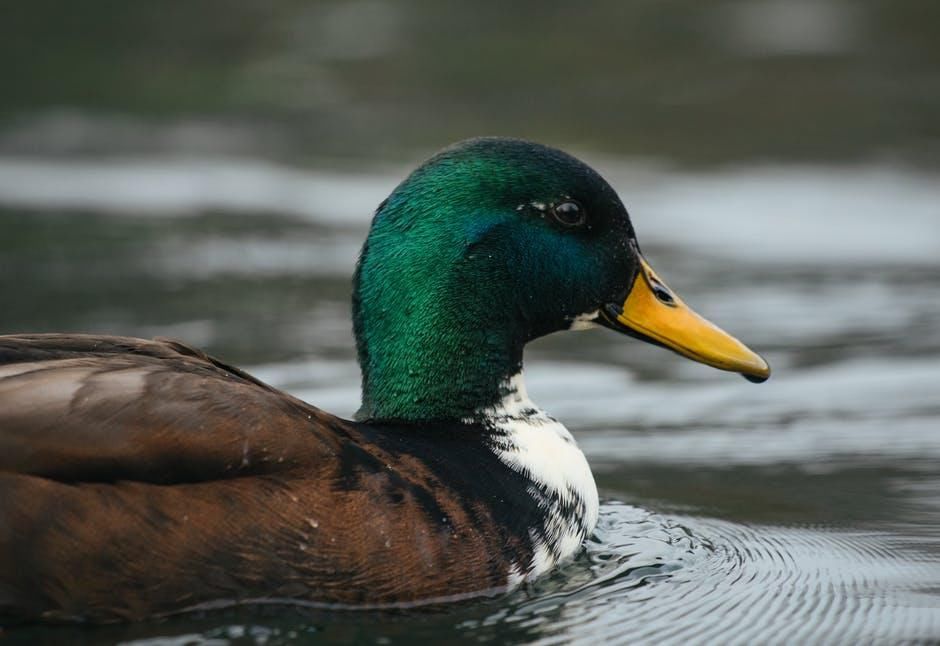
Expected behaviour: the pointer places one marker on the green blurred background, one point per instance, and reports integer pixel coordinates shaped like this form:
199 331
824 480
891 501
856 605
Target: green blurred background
695 82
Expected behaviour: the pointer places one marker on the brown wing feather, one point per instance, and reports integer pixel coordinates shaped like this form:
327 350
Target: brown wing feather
140 478
83 408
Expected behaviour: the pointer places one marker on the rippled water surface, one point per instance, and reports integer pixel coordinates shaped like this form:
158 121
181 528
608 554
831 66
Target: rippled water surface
805 509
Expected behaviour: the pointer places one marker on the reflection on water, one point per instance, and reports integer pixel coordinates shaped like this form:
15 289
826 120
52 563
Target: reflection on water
802 510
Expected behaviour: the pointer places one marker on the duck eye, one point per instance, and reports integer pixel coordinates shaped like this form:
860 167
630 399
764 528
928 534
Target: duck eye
569 214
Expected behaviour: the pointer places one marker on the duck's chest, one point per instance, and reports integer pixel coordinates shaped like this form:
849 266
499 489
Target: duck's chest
509 492
558 480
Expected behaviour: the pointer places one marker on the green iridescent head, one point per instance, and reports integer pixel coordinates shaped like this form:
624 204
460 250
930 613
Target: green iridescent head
490 244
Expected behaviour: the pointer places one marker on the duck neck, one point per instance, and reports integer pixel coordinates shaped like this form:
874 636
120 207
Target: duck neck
433 358
435 376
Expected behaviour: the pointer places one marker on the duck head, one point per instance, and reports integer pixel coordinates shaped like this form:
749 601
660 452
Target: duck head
488 245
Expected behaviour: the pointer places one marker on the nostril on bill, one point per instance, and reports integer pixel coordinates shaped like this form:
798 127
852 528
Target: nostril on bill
663 294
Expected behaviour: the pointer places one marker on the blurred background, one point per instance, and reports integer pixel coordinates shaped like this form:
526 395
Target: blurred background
207 170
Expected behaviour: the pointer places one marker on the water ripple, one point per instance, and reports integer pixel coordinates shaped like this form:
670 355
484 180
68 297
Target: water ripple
647 578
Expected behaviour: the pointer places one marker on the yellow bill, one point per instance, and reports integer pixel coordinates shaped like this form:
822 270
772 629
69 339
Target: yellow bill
653 313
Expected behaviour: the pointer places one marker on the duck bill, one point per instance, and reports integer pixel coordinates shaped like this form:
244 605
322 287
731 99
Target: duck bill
653 313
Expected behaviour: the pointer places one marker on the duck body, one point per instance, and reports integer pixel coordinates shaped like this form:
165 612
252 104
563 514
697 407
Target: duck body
147 478
142 478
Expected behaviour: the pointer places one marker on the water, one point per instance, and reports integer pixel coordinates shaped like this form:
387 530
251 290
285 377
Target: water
803 510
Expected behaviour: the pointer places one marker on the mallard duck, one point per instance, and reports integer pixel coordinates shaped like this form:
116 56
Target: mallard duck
141 478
